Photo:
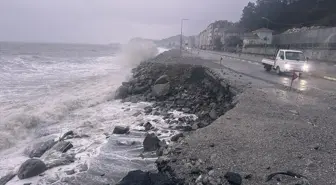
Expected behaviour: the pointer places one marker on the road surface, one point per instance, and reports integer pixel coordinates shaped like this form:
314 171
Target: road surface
256 70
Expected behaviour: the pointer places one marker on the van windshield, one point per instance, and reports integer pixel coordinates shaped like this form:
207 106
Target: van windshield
295 56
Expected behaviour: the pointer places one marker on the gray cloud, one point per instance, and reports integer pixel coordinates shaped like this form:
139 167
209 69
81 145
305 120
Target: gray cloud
104 21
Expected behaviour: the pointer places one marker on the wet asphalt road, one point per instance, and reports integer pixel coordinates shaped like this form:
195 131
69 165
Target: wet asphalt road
256 70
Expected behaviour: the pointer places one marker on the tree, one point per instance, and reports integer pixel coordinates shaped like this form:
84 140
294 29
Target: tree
218 44
233 41
280 15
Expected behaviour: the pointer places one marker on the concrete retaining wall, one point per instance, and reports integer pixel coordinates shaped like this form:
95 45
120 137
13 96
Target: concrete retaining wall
313 54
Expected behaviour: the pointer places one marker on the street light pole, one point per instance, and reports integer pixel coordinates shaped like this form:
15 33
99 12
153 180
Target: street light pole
266 20
181 39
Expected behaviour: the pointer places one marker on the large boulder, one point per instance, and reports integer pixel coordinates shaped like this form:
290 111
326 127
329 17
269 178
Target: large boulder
151 143
31 168
160 90
146 178
121 92
38 149
162 80
120 130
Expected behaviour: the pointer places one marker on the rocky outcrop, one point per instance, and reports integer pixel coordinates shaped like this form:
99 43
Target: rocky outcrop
31 168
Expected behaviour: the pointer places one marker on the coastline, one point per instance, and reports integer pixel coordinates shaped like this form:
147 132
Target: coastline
257 131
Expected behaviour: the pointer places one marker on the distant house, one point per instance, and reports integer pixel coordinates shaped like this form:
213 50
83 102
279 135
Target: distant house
260 36
218 29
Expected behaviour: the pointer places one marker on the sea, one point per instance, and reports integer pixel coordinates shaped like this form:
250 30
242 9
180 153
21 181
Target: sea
49 89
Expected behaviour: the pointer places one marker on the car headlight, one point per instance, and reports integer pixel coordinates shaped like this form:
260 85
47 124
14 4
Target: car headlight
305 67
287 66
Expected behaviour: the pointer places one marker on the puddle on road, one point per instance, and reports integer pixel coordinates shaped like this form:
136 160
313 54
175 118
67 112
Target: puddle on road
291 97
300 84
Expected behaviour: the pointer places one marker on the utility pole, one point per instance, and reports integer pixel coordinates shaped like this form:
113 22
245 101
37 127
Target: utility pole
181 37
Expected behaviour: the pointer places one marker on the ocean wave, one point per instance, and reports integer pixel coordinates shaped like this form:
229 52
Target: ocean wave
95 85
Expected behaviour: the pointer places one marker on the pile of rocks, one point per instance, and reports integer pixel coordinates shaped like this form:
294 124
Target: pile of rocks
181 87
187 88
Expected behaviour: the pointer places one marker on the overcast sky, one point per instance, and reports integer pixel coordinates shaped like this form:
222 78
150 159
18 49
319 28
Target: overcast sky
106 21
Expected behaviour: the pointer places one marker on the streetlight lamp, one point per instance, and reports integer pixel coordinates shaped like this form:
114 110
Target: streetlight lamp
181 39
266 20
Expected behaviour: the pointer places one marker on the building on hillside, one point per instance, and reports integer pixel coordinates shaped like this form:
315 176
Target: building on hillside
257 37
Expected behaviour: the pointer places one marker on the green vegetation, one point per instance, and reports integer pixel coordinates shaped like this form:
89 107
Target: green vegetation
280 15
233 41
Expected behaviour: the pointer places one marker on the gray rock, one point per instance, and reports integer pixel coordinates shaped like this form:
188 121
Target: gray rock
38 149
211 172
67 134
159 90
233 178
7 178
70 172
202 124
162 79
177 137
148 126
146 178
140 89
148 109
213 114
31 168
55 158
63 146
121 92
120 130
151 142
83 167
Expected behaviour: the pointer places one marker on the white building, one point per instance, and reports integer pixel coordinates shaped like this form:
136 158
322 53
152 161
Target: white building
260 36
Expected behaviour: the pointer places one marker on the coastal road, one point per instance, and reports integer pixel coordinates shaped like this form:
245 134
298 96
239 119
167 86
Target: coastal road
256 70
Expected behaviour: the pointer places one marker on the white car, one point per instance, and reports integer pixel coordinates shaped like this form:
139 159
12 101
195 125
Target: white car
287 61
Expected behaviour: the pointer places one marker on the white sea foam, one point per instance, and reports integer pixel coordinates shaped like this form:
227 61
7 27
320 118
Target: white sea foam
45 96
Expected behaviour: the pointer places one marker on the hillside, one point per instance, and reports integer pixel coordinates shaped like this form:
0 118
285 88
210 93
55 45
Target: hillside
170 42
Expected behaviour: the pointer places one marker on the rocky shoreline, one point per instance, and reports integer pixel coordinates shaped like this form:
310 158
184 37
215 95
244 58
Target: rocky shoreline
192 89
187 97
267 137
